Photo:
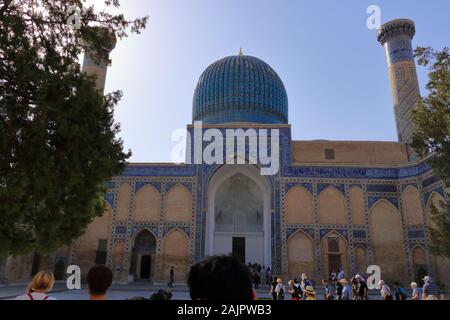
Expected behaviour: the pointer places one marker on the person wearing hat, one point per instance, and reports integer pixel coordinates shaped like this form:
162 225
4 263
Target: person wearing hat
347 290
430 290
304 283
309 292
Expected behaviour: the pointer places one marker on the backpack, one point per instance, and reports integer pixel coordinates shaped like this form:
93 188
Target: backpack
281 290
30 296
402 294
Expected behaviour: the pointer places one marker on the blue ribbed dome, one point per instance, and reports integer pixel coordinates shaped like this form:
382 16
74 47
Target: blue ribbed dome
240 89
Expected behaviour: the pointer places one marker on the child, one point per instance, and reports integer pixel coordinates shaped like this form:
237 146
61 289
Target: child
310 293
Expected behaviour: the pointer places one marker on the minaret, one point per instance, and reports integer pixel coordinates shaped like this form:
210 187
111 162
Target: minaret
396 37
99 69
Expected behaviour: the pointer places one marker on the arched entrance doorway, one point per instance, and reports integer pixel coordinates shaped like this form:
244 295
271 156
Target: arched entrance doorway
60 269
143 252
238 216
420 269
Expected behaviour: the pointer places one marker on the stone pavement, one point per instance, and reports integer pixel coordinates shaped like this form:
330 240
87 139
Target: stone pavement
125 291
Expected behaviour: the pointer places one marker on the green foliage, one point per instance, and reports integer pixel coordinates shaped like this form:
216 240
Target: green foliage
432 114
440 235
58 139
432 135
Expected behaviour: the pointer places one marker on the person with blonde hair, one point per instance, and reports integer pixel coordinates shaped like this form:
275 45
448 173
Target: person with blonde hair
346 290
280 289
416 291
37 289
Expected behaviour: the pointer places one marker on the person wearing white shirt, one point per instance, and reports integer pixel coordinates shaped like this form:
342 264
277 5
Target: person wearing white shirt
385 291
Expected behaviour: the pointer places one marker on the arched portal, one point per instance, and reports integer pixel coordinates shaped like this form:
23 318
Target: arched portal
143 254
238 216
419 258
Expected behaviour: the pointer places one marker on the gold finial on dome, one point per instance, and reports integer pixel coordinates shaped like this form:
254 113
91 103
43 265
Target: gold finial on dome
241 53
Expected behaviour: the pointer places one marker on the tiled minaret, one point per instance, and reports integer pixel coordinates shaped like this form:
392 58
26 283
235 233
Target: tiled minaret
396 37
99 69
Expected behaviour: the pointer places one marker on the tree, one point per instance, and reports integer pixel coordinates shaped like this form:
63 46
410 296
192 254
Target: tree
432 136
58 138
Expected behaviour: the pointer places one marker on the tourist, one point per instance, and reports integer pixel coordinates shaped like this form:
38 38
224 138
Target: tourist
263 276
310 294
299 287
256 278
346 290
330 290
339 288
304 283
430 289
363 290
171 277
139 299
341 274
272 291
99 279
161 295
295 290
41 283
280 289
333 275
220 278
416 292
354 285
250 267
385 291
400 293
269 276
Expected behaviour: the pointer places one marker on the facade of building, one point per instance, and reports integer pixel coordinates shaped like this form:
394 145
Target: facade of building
332 204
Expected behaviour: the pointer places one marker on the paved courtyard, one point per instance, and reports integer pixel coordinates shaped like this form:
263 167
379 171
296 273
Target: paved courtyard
125 291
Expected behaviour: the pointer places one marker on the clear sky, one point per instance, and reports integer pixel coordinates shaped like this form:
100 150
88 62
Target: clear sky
333 68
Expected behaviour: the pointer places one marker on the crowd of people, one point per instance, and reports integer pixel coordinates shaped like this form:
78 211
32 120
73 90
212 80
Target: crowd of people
261 276
238 281
337 287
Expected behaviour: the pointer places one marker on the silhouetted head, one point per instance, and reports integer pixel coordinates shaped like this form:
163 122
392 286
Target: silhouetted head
220 278
99 279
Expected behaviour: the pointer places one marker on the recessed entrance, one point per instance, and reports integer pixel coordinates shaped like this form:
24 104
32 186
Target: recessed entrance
239 248
238 219
141 260
146 264
60 269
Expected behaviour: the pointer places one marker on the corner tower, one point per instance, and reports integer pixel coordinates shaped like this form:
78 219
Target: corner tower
396 38
100 69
